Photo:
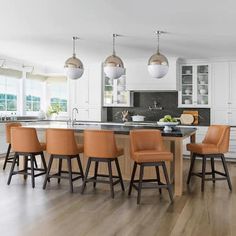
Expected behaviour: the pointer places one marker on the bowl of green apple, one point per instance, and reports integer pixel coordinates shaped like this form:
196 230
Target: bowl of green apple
167 122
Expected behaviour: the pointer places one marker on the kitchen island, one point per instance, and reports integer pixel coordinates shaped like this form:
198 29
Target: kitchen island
173 141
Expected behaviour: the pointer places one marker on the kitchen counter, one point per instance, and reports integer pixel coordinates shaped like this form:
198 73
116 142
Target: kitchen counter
118 128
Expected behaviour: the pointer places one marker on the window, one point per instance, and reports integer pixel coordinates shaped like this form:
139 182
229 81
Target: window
9 94
62 103
32 103
57 93
33 95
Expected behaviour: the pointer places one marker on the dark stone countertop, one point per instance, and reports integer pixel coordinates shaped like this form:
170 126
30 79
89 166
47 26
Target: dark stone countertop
117 128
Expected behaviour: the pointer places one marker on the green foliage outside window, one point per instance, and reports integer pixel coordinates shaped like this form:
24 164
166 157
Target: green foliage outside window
8 102
62 103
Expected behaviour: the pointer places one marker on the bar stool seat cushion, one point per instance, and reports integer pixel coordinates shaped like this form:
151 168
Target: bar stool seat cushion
152 156
203 148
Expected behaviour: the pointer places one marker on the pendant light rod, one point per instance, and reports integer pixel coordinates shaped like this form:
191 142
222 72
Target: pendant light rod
158 33
114 36
74 39
113 44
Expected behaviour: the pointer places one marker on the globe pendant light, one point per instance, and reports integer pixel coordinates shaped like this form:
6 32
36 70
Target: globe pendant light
73 66
113 65
158 64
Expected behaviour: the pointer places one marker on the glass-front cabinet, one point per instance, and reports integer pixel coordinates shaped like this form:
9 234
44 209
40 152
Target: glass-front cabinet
115 93
194 85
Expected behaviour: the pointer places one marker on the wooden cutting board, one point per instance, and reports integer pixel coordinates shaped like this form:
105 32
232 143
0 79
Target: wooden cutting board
186 119
195 115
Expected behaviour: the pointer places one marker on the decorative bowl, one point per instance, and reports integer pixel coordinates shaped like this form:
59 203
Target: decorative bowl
167 125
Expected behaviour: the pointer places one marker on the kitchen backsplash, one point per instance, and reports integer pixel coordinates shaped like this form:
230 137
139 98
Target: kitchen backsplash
167 100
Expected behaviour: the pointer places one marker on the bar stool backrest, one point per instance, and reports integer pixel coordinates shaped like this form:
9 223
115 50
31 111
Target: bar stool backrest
218 135
146 139
25 140
8 127
100 143
61 142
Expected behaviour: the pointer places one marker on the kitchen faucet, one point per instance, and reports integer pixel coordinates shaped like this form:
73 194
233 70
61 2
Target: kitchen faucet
155 106
74 115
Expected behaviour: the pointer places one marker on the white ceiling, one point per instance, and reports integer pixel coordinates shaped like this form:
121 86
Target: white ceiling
41 31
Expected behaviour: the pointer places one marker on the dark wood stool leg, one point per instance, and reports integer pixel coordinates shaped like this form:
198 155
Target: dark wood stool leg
86 175
35 162
80 167
193 157
226 171
119 174
18 161
213 169
12 169
132 178
110 178
70 174
25 167
140 183
7 156
203 173
158 178
59 170
167 181
95 173
32 161
48 171
43 162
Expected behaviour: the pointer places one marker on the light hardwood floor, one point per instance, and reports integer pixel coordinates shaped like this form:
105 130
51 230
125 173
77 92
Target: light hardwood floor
26 211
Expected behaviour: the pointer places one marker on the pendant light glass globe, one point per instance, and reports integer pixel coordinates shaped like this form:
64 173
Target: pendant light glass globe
158 65
73 66
113 65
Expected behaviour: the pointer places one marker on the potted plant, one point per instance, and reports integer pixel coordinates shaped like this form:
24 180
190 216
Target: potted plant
53 111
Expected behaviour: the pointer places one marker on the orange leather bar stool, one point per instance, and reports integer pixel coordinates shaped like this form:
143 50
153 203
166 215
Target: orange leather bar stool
214 145
100 146
147 149
61 144
25 143
8 127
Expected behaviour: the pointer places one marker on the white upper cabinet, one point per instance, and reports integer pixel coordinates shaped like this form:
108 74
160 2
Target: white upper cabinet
195 85
86 94
232 83
81 91
138 78
223 93
220 84
95 85
115 93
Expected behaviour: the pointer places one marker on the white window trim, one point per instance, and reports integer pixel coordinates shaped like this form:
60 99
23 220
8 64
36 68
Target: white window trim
44 104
